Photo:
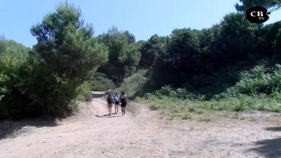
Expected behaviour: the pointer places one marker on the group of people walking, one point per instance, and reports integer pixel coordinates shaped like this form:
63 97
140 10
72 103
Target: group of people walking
116 100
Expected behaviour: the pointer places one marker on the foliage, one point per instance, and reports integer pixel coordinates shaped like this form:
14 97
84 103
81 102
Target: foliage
134 85
190 53
225 67
237 36
259 81
123 54
85 92
150 49
99 82
278 39
271 5
52 77
220 68
13 48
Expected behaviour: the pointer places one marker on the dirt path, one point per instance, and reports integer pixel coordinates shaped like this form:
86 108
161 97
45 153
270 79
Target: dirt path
141 134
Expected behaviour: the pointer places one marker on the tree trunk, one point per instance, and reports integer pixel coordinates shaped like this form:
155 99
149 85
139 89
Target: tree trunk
259 29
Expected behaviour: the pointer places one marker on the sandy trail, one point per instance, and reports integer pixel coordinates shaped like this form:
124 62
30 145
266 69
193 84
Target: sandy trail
142 134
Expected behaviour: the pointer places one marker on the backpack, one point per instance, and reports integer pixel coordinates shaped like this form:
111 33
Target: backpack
115 98
123 100
109 100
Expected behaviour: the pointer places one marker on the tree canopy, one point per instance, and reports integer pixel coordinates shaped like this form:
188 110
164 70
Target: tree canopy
48 82
123 54
270 5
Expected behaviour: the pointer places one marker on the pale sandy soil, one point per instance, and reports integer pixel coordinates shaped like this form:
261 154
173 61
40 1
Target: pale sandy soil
141 133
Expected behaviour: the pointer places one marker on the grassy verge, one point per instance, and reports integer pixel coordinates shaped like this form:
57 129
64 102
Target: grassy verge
187 109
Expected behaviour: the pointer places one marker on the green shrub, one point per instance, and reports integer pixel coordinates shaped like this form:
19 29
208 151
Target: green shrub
155 106
49 81
134 85
257 81
10 47
186 116
85 93
200 111
206 118
9 72
99 82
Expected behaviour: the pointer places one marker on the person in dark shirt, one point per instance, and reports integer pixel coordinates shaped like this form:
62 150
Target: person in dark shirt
110 103
124 101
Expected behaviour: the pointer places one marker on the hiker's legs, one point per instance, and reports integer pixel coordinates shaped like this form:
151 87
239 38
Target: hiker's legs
122 108
116 108
109 109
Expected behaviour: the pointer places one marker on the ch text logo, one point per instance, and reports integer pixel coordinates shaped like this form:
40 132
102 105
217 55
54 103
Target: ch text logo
257 15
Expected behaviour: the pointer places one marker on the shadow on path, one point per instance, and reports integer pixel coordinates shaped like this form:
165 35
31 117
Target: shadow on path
11 128
114 116
269 148
107 115
273 129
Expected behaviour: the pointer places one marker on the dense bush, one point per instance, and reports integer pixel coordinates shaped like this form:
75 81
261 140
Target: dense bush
258 81
53 76
135 85
85 92
13 48
99 82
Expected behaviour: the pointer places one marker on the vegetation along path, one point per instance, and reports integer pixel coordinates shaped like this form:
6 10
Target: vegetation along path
141 133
